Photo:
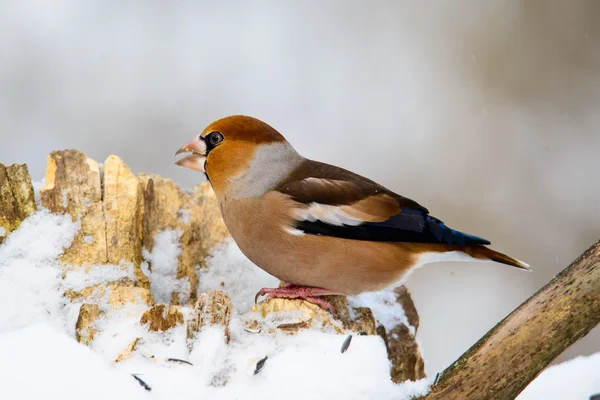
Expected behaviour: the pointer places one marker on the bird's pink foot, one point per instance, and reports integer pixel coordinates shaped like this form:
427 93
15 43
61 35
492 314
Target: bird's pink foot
291 291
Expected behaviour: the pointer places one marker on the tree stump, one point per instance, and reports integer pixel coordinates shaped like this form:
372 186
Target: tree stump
121 216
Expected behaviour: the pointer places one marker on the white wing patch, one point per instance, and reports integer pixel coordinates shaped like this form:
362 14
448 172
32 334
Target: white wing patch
293 231
333 215
377 207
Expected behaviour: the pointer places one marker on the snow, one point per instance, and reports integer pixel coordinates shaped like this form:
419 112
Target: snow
37 187
385 308
163 260
230 271
81 278
574 379
2 231
41 358
40 362
29 271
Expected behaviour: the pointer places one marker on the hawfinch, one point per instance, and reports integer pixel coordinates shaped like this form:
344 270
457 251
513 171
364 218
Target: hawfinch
323 229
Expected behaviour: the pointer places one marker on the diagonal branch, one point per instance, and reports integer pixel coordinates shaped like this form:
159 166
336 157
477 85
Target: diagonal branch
502 363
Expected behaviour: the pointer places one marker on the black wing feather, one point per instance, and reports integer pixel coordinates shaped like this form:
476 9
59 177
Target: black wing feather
409 226
412 224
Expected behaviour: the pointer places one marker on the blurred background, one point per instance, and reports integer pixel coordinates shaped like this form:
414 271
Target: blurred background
485 112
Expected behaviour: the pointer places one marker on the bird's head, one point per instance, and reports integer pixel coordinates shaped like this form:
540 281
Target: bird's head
238 146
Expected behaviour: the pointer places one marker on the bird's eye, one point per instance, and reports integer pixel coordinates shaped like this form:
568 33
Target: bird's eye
215 138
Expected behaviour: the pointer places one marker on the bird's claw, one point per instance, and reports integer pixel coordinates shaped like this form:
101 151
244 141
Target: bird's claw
258 294
298 292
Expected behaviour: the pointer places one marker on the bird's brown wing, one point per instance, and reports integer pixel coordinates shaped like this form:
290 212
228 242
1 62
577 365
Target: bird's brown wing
335 202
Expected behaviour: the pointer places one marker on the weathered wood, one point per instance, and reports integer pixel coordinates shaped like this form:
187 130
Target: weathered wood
17 200
162 317
123 208
408 305
121 213
73 186
502 363
212 308
20 183
359 319
196 216
85 331
117 293
402 347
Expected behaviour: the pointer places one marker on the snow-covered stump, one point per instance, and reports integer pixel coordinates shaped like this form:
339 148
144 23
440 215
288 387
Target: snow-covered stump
122 215
192 220
138 278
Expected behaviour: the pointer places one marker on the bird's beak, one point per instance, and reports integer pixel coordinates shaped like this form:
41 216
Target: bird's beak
197 158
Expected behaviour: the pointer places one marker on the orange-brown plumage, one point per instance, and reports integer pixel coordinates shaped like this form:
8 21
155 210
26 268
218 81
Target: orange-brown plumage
317 225
244 128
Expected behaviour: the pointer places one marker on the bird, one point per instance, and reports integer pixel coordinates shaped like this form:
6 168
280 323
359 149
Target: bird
321 229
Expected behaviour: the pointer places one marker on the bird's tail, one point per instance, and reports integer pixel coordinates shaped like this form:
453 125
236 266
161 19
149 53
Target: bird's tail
485 253
437 252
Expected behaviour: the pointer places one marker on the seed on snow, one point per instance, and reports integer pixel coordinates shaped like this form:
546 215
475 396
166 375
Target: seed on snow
255 365
146 353
293 326
179 361
252 329
142 383
346 343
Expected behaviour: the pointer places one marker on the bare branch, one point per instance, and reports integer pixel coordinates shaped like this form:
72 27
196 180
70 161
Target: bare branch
502 363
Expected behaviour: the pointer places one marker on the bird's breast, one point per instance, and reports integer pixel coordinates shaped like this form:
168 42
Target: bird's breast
262 230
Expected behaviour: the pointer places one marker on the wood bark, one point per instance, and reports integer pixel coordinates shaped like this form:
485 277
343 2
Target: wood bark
502 363
16 197
402 347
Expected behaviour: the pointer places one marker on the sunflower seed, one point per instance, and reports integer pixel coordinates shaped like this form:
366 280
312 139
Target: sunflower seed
260 364
142 383
293 327
436 379
255 365
346 343
146 353
252 330
179 361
